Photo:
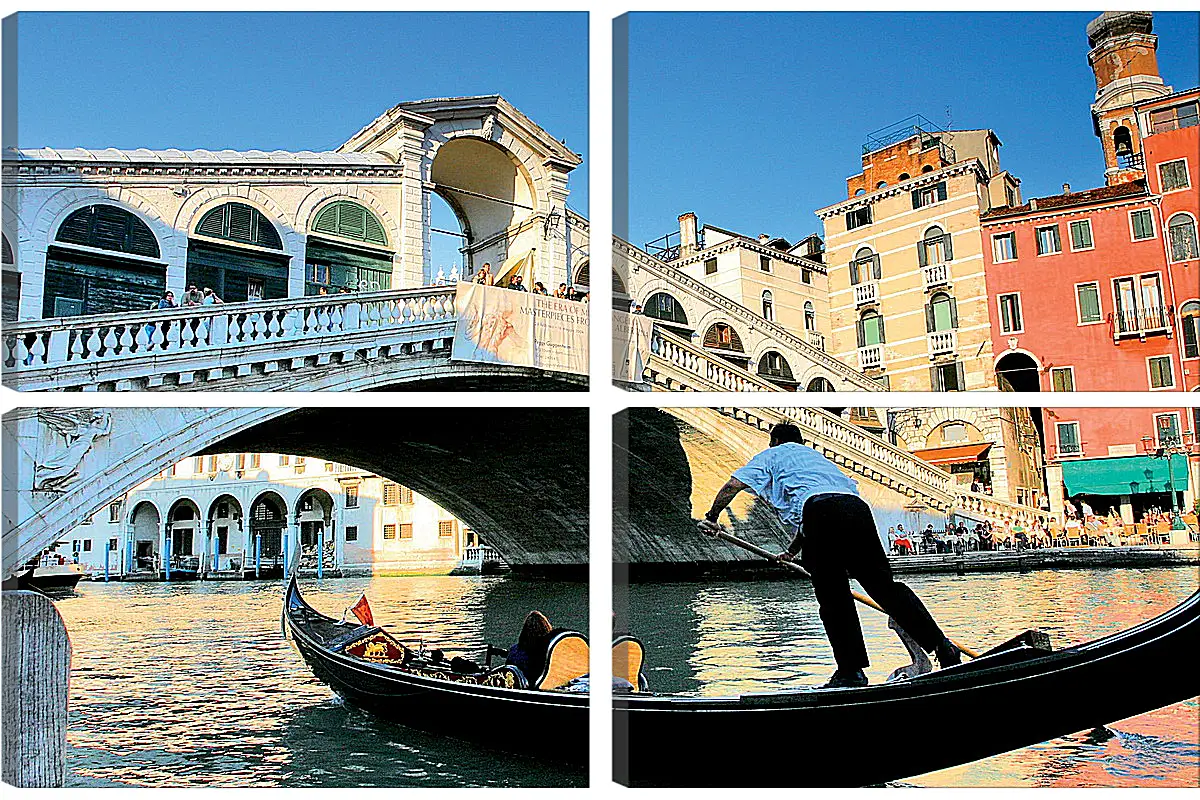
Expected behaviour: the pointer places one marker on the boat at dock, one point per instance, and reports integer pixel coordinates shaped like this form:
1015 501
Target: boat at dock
50 573
1010 697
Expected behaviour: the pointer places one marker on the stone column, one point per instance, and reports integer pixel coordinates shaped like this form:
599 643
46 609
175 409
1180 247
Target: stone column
414 157
552 266
1055 489
1126 510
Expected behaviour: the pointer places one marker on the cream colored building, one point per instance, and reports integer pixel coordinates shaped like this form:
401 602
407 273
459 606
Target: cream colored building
908 301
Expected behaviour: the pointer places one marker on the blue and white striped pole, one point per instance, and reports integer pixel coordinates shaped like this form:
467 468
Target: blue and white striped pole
107 551
216 552
167 557
287 560
258 555
128 557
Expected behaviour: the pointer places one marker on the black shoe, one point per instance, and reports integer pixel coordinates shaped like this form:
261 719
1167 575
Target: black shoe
948 654
844 679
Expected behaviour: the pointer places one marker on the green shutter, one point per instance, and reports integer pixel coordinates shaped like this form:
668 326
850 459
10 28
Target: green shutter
239 222
1089 303
108 227
948 246
941 190
351 221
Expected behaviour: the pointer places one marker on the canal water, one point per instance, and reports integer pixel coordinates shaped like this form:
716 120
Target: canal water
192 684
726 637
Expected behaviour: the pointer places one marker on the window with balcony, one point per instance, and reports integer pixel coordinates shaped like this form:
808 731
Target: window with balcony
1141 224
928 195
768 305
1181 234
1081 234
1048 242
1162 372
1004 247
1170 119
941 313
948 377
1010 313
1189 320
1173 175
858 218
865 266
935 248
870 329
1069 443
1087 302
810 316
1062 379
1139 305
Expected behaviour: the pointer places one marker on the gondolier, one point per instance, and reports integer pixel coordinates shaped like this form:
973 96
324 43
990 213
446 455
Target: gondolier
834 528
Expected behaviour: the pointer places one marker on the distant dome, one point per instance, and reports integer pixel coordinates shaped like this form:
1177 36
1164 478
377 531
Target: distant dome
1118 23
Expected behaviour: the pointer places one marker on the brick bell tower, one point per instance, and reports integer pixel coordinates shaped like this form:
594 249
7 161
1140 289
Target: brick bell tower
1124 59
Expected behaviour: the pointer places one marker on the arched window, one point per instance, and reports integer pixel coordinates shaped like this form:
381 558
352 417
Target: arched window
870 329
860 191
1189 317
820 385
118 271
810 316
904 176
721 336
768 305
927 168
881 184
10 291
1123 141
935 247
664 307
941 313
1181 233
334 266
8 257
774 366
865 266
235 272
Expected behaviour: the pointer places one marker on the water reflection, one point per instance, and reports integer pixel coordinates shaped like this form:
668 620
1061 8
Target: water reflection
193 685
728 637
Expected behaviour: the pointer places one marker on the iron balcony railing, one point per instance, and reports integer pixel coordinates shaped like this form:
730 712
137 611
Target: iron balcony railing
1141 321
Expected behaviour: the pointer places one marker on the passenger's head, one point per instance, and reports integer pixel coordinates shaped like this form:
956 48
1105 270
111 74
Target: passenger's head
785 432
534 630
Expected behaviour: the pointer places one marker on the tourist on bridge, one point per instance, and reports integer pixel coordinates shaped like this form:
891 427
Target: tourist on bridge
539 288
484 276
192 297
167 301
835 528
210 297
516 283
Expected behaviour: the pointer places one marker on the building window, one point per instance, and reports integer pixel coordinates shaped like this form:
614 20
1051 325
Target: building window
1181 233
954 432
1068 439
865 266
1062 379
255 460
870 329
406 530
112 545
318 274
941 313
663 306
1081 234
198 465
87 545
935 247
1004 247
445 528
406 496
1010 313
1048 242
929 195
805 275
299 464
764 263
1087 297
389 532
391 493
351 533
212 465
1141 224
114 511
352 496
1139 304
1170 119
239 222
351 221
858 218
948 377
710 266
1162 372
768 306
1173 175
284 460
810 316
1166 429
1189 320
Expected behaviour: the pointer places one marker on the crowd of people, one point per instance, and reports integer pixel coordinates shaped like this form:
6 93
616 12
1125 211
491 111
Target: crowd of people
517 284
192 297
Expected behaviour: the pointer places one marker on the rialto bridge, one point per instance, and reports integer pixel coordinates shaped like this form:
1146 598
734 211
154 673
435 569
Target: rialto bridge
521 482
323 259
679 364
669 464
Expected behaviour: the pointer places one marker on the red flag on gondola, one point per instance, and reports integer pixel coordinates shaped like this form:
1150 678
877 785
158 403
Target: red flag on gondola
362 610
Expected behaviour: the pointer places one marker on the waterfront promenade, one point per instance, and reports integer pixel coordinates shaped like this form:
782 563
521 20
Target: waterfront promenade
1046 558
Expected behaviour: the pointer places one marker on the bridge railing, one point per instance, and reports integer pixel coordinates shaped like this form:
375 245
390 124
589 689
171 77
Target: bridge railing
988 507
712 373
105 339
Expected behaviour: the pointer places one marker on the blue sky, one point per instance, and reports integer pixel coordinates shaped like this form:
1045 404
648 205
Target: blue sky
754 121
289 81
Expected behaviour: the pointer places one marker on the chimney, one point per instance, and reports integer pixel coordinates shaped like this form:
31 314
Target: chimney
1066 188
763 238
687 234
1033 204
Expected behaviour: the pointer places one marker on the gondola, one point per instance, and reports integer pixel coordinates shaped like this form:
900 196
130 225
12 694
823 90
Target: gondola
456 697
1007 699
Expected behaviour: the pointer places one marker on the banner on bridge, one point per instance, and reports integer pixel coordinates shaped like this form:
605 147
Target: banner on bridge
631 345
504 326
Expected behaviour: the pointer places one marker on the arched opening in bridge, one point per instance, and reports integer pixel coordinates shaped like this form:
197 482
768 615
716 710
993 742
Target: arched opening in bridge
491 196
448 237
669 313
346 250
10 287
774 367
819 384
237 252
104 259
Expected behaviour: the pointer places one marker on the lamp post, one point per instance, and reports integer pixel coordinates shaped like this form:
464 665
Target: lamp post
1170 445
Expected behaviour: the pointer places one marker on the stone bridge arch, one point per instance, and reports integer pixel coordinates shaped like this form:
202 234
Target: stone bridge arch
522 482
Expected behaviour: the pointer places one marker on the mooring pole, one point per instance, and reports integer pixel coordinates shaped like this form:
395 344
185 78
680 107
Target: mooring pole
257 555
287 556
106 556
167 557
321 555
128 558
216 552
36 668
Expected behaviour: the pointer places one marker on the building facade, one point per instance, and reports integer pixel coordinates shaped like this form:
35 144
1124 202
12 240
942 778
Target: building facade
238 515
105 231
907 295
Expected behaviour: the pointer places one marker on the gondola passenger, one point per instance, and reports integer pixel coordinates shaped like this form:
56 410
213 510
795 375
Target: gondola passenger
529 653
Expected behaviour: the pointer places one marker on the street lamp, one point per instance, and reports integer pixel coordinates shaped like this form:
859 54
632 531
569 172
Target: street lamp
1169 445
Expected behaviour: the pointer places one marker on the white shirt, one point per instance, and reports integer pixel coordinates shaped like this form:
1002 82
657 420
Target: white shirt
788 474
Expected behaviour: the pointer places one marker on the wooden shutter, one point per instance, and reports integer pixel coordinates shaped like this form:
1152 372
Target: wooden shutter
953 313
853 273
948 246
882 336
916 199
212 224
930 322
860 328
875 267
941 190
962 380
922 254
935 380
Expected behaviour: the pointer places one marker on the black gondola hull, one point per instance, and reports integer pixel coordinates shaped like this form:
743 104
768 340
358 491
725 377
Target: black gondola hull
863 737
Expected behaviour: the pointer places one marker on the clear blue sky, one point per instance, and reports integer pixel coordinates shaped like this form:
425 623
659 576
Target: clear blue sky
754 121
288 81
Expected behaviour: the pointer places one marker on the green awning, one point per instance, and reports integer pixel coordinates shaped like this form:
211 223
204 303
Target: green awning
1127 475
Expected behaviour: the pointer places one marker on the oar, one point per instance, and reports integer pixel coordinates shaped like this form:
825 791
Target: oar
726 536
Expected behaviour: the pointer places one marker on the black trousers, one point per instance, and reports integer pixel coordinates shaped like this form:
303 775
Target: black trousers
840 543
